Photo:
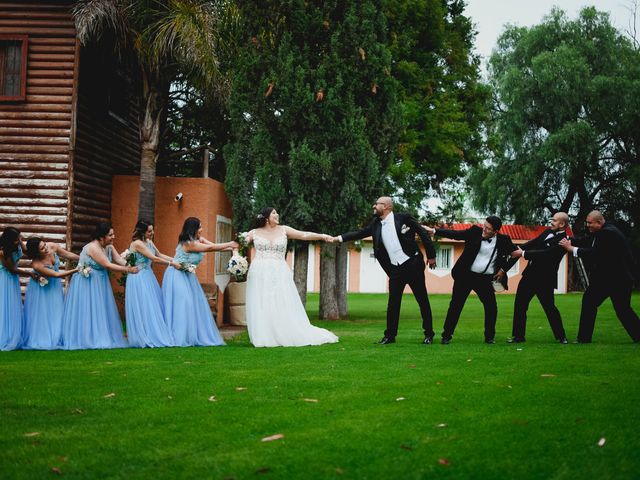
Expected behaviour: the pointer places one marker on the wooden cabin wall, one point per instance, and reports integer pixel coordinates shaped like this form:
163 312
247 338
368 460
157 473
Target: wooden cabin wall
35 135
107 137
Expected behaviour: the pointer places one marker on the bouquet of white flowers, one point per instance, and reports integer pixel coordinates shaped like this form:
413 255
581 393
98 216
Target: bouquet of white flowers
238 267
188 267
85 270
43 281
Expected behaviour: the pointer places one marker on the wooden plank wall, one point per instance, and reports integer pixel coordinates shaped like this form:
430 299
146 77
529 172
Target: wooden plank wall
35 134
106 143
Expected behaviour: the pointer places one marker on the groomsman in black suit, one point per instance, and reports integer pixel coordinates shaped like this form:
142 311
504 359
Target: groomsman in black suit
395 247
611 275
483 260
540 278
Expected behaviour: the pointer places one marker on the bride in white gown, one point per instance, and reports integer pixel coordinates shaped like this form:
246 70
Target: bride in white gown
275 314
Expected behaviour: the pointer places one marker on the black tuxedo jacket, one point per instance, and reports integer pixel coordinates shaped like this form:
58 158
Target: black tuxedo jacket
472 238
609 255
406 227
544 257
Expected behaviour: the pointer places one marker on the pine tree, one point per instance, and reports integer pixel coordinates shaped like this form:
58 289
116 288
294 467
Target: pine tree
315 119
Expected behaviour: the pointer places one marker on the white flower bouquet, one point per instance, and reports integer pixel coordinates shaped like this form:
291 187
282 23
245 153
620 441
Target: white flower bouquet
238 267
43 281
84 270
188 267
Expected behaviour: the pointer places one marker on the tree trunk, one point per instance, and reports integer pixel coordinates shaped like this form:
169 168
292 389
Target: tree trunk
300 267
328 298
155 94
342 280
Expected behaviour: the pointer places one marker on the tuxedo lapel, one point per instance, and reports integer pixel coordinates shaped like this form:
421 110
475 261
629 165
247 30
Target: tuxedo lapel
377 233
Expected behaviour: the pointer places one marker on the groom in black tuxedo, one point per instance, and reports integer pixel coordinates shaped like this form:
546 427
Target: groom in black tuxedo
395 247
483 260
611 275
540 278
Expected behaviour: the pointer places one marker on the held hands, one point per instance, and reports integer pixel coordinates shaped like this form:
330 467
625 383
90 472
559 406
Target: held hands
328 238
432 263
566 244
517 253
430 230
498 276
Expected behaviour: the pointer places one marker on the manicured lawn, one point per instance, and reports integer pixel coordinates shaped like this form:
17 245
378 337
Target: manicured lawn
350 410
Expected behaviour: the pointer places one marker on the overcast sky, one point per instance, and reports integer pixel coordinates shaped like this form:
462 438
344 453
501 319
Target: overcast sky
490 16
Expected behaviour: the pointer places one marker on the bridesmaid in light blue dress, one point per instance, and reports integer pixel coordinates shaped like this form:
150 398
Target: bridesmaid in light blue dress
90 319
144 308
186 308
11 317
44 298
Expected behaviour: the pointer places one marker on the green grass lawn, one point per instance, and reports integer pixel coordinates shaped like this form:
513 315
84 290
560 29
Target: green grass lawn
349 410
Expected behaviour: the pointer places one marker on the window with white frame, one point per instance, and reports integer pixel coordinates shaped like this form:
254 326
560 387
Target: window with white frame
444 257
224 233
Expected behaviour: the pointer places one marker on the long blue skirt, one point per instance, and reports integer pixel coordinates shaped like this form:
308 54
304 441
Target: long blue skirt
186 310
144 309
43 309
10 311
91 319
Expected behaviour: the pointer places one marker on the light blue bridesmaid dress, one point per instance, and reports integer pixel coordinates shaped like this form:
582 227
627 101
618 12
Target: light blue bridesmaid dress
10 306
91 319
186 308
43 308
144 309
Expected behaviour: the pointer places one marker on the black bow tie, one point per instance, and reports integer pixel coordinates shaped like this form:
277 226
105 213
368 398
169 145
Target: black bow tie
488 240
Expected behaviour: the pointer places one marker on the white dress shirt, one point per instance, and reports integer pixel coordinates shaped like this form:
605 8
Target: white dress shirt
392 242
486 259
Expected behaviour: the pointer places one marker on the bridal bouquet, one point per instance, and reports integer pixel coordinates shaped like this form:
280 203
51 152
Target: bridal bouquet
242 241
188 267
43 281
238 267
84 270
130 259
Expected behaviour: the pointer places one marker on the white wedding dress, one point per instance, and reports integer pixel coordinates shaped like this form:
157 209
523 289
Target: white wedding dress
275 314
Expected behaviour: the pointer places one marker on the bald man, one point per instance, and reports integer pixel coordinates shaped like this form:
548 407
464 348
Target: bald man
611 275
395 247
540 278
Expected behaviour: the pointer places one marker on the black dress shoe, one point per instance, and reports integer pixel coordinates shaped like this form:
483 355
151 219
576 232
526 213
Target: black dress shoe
489 340
427 341
386 341
563 340
515 340
582 341
445 340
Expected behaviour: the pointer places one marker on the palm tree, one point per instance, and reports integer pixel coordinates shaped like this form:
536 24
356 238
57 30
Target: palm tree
169 38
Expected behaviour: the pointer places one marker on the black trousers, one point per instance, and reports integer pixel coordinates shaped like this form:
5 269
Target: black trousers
409 273
462 287
620 296
529 287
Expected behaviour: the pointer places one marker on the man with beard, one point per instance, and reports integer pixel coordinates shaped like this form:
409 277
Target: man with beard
395 247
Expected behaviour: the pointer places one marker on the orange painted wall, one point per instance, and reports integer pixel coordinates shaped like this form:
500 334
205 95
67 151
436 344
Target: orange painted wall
202 197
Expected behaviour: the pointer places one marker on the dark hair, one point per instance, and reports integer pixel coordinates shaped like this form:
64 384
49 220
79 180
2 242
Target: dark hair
33 247
495 222
262 217
140 230
101 230
189 230
8 241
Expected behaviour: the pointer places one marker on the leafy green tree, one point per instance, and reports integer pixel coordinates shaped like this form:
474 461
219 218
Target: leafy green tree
314 119
564 132
168 38
444 104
